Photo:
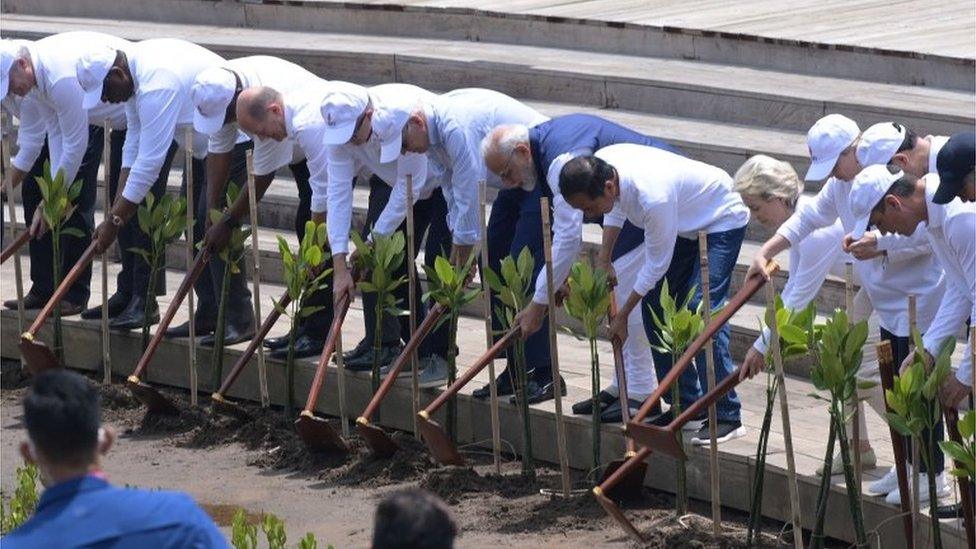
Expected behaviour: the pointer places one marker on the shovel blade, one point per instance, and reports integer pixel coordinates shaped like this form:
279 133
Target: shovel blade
228 408
659 439
630 486
318 435
153 399
616 514
378 441
38 356
439 445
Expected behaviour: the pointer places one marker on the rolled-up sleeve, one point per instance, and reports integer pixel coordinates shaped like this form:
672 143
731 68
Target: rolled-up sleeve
567 233
30 134
342 170
660 232
158 112
223 140
820 212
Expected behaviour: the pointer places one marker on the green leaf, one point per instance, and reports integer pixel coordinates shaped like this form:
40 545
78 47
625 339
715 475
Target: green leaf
73 232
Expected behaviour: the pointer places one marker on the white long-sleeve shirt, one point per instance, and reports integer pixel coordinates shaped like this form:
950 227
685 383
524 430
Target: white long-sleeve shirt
163 71
346 160
305 127
457 122
936 142
285 77
669 196
54 106
910 267
951 229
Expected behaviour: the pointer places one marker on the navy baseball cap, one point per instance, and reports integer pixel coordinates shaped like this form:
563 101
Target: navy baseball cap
954 162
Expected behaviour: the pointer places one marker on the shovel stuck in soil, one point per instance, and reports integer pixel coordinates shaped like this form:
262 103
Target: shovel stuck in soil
218 400
439 444
15 245
748 289
37 355
378 441
316 432
153 399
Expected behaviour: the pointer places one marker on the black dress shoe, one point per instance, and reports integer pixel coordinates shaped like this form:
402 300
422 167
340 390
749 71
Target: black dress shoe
364 363
203 328
71 309
31 301
538 392
953 511
116 304
232 335
275 343
611 414
131 317
585 407
358 351
503 384
305 346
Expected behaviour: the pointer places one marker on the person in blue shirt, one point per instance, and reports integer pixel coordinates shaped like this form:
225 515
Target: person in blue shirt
528 161
79 507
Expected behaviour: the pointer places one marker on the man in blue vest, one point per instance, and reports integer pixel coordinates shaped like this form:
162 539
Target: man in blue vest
79 508
522 157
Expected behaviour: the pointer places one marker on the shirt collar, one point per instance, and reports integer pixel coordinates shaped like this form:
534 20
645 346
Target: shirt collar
69 488
936 212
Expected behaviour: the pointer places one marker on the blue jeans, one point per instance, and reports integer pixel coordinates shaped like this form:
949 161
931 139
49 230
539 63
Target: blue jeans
516 223
685 271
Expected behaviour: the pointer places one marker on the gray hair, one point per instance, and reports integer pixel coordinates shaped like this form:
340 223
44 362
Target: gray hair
503 139
257 109
765 177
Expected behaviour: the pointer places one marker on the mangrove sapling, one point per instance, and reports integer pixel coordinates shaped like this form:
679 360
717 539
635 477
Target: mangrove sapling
22 504
378 260
274 531
447 286
678 326
57 205
589 302
244 535
163 220
795 329
915 411
839 352
303 276
513 291
964 453
231 255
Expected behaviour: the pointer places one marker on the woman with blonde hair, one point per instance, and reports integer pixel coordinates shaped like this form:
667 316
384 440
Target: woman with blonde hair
773 192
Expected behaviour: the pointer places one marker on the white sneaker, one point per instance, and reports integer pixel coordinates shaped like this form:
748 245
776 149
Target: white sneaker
886 484
941 490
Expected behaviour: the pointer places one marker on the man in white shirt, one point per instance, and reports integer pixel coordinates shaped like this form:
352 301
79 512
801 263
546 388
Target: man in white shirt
42 73
361 129
214 94
671 198
153 78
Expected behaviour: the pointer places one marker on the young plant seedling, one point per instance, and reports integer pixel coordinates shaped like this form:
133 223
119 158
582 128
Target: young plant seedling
21 506
244 535
963 452
274 531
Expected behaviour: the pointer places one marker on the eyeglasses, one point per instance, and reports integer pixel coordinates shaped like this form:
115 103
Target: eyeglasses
506 171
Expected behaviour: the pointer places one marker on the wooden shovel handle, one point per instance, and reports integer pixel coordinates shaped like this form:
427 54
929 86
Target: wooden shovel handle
323 366
203 256
411 347
252 346
618 366
12 248
485 359
748 289
886 369
82 263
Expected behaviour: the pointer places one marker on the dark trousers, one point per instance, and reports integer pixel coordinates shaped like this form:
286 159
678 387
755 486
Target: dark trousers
83 219
685 271
900 349
430 218
133 279
240 312
317 324
516 223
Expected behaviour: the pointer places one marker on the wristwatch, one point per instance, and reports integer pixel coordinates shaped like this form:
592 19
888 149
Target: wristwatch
117 220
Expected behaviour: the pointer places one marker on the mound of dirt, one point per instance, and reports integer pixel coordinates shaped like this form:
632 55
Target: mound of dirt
410 463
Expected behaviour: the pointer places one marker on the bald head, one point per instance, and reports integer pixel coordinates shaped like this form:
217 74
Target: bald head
508 155
261 112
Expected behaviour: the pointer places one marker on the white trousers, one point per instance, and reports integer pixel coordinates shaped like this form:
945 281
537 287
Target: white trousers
638 362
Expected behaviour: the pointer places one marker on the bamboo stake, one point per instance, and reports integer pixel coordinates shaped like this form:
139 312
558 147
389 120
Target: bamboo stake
916 458
496 437
856 417
256 276
190 298
710 375
106 208
12 210
341 381
785 412
412 301
553 347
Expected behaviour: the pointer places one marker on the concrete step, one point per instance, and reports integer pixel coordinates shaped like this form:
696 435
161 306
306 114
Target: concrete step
631 28
714 92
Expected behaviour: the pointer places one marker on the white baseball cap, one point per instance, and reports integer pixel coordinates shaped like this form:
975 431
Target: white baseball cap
868 189
340 109
92 68
388 123
8 55
826 140
212 92
879 143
